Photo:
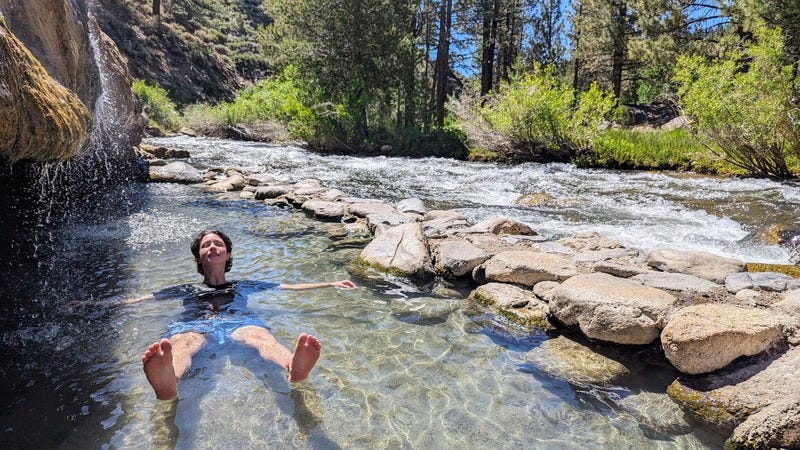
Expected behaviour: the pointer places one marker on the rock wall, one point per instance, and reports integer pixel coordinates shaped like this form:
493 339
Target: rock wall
73 116
43 119
65 39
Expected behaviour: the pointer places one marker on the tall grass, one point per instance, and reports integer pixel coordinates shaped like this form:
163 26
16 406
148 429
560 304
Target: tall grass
653 150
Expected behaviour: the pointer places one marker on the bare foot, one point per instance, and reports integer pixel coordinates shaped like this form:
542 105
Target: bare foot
306 354
159 370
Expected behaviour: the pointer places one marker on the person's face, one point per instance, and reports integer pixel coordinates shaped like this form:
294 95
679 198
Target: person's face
213 251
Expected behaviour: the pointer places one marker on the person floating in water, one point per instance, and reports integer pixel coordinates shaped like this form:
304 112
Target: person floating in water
165 361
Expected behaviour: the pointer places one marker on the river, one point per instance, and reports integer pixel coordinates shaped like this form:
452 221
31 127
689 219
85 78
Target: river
403 365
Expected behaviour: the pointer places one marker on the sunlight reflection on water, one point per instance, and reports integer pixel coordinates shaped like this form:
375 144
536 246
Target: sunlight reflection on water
402 365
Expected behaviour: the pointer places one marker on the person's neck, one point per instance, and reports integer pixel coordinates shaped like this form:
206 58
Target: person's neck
214 279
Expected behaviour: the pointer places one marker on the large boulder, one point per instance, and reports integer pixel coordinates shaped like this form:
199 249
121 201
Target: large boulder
766 281
176 172
324 210
272 191
777 425
788 307
401 250
760 398
456 257
590 241
687 287
365 208
707 337
701 264
42 119
411 206
438 223
526 268
612 309
501 225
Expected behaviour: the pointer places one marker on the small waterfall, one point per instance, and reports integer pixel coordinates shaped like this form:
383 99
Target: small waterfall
45 193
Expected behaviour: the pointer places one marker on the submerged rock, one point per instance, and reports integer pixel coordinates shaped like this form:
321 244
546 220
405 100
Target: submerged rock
656 412
567 360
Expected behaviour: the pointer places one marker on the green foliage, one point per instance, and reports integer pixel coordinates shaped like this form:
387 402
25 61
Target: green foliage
535 111
741 103
655 82
161 111
666 150
357 55
281 99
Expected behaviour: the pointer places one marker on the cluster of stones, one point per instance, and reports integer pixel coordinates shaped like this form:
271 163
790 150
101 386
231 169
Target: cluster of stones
706 312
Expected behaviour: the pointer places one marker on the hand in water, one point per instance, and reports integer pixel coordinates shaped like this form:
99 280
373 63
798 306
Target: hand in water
344 284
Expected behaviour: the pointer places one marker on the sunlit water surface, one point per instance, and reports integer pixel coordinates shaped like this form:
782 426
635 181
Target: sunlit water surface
403 366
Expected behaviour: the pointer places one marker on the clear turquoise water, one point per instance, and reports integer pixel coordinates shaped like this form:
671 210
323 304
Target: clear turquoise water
403 366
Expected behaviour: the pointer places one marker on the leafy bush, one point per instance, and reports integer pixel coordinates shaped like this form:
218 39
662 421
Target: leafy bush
742 103
537 116
161 112
279 99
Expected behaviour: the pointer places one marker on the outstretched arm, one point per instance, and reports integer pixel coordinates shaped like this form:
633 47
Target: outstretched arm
104 303
344 284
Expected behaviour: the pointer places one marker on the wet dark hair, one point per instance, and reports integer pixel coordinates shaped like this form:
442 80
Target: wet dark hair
196 248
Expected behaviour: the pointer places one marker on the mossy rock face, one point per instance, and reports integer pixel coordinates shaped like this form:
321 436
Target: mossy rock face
515 304
381 268
786 269
705 406
43 120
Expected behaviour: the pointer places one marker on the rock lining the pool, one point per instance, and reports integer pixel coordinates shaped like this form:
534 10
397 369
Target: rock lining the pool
733 333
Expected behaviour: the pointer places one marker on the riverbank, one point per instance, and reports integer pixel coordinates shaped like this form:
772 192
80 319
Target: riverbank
614 296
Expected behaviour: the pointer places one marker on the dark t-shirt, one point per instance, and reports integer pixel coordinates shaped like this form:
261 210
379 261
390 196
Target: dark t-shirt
215 308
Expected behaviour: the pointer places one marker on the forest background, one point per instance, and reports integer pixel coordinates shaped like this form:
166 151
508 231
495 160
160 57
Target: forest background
502 80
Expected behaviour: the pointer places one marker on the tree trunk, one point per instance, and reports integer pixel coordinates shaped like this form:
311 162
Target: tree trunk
576 63
488 30
157 10
620 47
443 59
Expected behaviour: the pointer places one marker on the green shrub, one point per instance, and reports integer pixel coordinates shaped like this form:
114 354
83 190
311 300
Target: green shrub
161 112
742 103
536 116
